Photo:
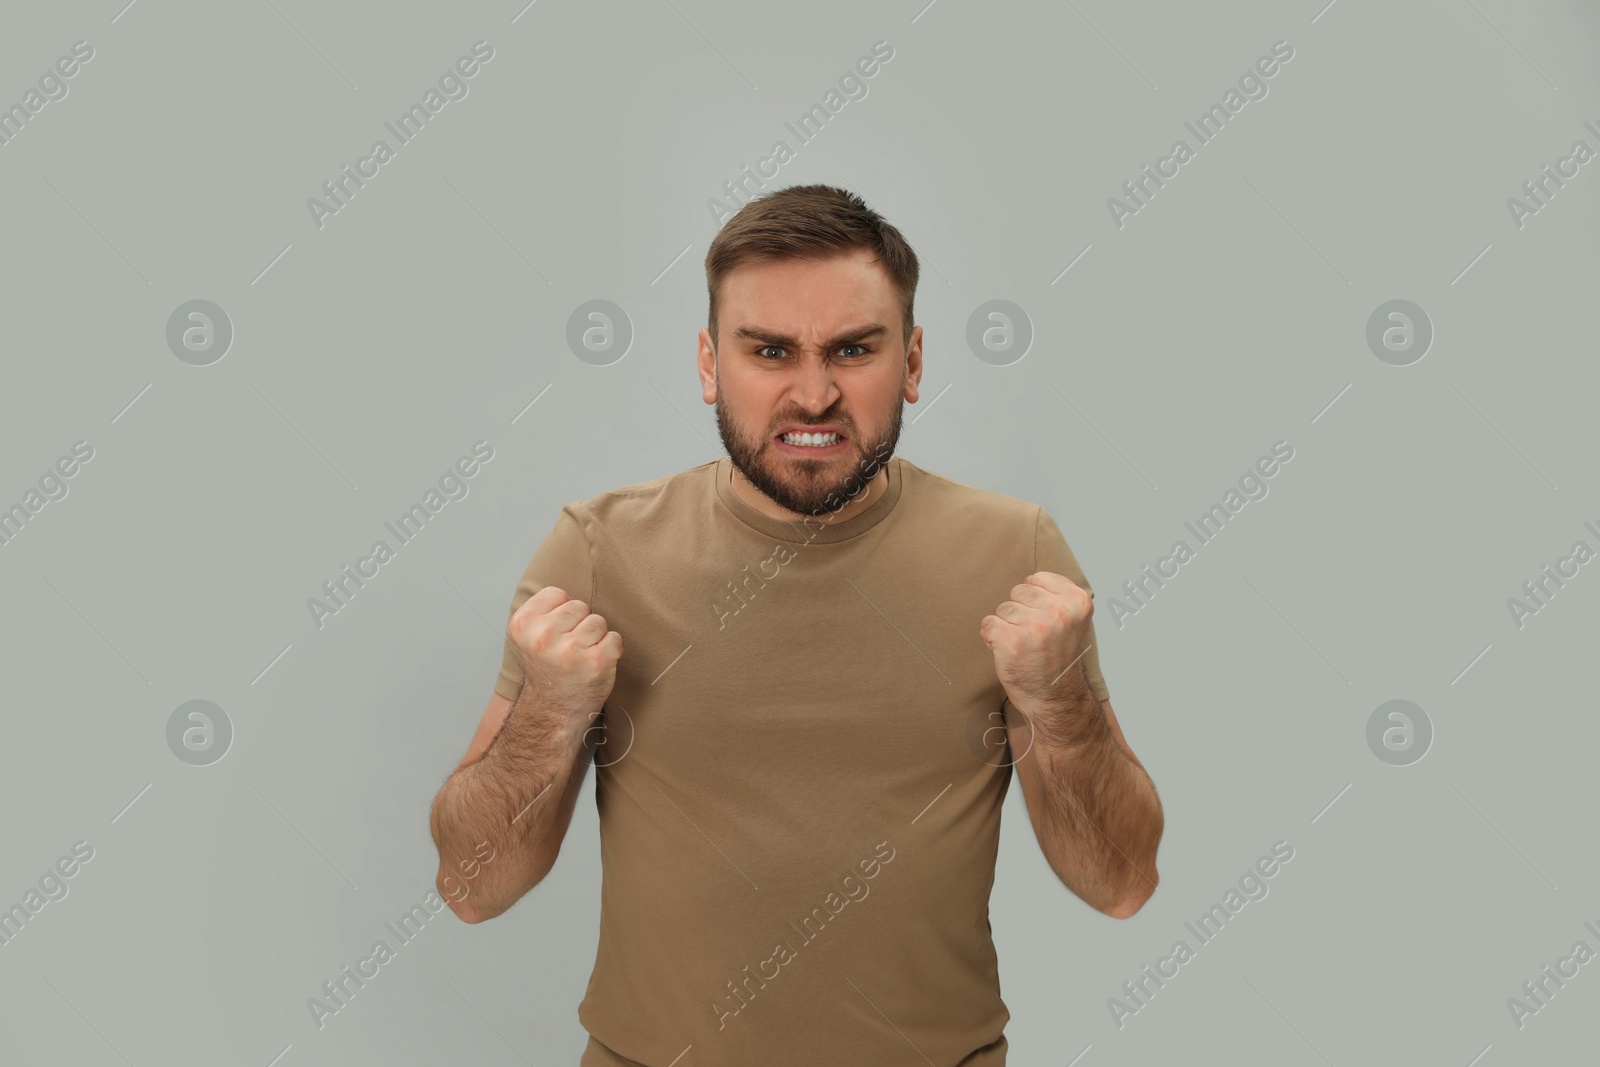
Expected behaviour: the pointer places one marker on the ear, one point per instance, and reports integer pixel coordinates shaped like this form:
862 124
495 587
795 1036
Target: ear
706 358
913 365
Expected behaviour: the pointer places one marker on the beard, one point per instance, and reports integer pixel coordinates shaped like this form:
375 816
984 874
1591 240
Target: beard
809 486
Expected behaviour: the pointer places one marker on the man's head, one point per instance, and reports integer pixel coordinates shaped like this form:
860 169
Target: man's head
810 327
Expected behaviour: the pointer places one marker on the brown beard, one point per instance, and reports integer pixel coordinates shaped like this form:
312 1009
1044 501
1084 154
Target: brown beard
803 487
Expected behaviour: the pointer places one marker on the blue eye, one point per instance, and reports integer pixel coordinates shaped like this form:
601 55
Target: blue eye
861 351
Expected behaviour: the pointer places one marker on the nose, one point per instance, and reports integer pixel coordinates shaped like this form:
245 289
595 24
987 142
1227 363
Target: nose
813 388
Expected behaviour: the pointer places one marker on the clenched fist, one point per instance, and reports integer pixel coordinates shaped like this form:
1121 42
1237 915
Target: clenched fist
569 654
1036 636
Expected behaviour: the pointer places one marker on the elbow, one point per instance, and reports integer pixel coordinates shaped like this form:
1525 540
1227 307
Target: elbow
472 916
467 910
487 898
464 912
457 897
1128 906
1133 897
1125 910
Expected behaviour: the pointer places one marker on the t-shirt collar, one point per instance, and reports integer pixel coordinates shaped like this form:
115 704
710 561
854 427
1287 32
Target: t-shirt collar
812 529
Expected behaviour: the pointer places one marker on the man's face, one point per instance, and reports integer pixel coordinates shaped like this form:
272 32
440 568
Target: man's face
810 345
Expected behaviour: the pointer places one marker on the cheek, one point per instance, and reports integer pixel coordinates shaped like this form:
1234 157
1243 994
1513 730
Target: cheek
870 404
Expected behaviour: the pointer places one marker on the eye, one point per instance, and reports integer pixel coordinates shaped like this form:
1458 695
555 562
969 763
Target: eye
762 352
861 349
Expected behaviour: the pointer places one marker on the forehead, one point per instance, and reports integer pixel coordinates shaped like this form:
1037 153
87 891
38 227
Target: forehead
789 292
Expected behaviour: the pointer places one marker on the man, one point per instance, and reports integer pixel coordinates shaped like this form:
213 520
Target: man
803 753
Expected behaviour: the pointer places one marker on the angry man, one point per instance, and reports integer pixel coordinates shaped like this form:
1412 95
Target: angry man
804 672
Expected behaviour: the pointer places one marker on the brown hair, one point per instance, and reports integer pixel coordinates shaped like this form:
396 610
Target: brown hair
810 222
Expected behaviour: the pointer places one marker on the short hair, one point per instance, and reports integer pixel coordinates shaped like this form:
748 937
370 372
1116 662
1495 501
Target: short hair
810 222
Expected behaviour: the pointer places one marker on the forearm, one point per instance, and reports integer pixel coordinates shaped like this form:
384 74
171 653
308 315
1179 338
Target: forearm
1102 819
517 797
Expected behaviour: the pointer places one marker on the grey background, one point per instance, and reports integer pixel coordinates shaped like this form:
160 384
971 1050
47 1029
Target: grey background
370 354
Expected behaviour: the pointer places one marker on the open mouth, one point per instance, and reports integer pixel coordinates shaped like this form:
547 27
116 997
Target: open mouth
810 444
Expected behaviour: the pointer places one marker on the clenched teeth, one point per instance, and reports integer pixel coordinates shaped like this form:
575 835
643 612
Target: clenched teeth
815 439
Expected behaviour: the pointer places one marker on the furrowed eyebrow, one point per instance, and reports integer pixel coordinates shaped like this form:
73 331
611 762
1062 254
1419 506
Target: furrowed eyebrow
855 335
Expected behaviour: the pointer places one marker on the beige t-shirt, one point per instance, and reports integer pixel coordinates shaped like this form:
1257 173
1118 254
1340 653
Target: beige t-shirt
801 779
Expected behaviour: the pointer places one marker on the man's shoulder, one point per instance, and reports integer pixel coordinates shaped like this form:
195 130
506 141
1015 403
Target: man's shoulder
646 500
969 502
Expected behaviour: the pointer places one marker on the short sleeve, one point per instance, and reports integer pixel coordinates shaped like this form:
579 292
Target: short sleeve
562 561
1051 553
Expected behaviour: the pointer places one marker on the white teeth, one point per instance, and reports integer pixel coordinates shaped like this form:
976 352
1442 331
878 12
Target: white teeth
811 438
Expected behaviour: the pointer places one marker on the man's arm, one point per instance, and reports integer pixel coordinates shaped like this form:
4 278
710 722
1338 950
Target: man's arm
1094 809
516 786
520 802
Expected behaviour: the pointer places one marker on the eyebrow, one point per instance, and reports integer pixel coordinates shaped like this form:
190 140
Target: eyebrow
854 335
